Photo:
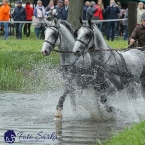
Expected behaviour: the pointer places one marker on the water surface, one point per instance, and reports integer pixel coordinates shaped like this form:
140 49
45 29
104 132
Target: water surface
33 113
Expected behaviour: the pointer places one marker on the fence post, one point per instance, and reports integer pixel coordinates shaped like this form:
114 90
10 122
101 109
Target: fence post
132 17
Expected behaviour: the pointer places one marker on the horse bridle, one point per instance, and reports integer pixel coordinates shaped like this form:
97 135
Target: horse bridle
56 28
91 34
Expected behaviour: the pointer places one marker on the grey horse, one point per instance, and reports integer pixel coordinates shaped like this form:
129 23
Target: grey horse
114 69
61 34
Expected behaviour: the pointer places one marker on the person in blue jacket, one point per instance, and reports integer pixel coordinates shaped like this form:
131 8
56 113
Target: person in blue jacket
65 8
112 12
19 15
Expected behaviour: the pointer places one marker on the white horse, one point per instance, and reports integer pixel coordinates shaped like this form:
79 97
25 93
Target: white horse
61 34
115 70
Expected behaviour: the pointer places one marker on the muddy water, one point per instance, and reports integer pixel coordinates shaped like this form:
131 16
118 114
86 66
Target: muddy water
33 114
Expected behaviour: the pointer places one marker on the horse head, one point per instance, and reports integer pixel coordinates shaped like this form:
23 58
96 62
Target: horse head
85 38
52 37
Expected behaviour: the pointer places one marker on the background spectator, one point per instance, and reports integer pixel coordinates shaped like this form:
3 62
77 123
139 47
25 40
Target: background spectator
29 14
19 15
65 9
121 28
39 14
4 16
99 11
49 9
90 10
140 11
112 12
125 24
119 24
87 4
59 9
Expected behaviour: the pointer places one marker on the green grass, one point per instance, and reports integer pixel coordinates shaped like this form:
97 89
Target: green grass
20 61
118 43
130 136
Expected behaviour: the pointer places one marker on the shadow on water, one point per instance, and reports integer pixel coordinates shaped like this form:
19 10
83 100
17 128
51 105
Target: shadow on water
33 113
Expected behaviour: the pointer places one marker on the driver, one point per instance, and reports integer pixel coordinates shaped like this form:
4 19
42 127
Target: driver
139 33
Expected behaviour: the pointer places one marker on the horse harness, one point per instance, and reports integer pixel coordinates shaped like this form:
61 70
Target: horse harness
72 66
56 35
102 67
91 36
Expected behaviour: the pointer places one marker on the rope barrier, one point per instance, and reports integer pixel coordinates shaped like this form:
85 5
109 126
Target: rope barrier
43 22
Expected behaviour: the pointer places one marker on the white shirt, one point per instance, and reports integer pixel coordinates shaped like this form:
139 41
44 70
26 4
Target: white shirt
139 13
66 8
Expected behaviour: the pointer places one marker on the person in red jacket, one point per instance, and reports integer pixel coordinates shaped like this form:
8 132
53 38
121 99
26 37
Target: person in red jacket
99 11
29 14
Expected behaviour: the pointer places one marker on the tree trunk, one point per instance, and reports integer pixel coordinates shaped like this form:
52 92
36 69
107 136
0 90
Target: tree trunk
75 12
132 17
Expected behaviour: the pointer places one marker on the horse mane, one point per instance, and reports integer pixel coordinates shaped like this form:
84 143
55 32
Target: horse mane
69 27
99 41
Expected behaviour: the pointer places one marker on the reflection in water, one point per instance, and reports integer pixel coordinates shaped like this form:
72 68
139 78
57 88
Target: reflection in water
85 132
33 113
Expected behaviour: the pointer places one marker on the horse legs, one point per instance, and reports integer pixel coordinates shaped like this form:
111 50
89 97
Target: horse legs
103 100
98 100
72 99
104 88
58 114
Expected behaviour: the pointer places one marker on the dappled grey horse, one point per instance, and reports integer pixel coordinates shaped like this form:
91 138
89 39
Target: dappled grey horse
114 69
61 34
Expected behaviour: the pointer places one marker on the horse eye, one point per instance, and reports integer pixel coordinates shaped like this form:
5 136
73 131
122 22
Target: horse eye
56 34
53 34
87 35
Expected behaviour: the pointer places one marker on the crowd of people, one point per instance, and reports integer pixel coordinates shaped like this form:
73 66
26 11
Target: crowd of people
91 10
97 11
27 13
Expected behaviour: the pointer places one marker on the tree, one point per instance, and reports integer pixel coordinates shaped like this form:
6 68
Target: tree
75 12
132 17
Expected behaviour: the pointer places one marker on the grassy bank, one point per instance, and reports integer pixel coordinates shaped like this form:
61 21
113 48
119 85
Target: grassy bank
130 136
21 60
18 62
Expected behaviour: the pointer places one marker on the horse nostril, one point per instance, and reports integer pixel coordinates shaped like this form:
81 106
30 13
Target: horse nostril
77 53
45 52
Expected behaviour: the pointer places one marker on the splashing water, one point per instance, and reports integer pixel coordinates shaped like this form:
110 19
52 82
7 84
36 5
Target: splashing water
129 105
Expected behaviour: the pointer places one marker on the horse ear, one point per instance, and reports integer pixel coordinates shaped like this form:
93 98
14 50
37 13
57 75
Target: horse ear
47 22
75 33
89 22
81 22
55 21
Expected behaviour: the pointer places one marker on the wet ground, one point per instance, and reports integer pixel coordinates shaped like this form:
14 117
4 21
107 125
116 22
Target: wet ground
33 114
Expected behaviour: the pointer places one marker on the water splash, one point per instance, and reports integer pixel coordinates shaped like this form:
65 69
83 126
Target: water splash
129 102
